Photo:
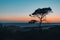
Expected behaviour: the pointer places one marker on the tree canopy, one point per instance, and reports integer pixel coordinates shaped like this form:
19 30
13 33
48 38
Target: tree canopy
41 12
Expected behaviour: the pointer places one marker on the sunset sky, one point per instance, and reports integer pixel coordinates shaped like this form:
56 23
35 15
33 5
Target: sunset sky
19 10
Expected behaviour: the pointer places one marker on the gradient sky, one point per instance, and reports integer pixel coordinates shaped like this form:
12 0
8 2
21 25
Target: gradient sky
19 10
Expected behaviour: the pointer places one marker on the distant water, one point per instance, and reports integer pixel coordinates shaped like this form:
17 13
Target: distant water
30 24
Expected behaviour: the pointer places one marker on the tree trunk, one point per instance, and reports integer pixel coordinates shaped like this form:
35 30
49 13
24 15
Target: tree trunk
40 22
40 18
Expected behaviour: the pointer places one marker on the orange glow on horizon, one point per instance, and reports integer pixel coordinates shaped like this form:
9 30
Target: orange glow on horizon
26 19
53 19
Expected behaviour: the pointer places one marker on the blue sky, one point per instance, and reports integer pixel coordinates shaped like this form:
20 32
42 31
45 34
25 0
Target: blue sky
25 7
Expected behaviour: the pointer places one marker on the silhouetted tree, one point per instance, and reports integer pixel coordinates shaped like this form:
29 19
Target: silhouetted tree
32 21
41 13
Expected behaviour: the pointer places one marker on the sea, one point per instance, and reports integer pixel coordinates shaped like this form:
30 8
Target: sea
28 24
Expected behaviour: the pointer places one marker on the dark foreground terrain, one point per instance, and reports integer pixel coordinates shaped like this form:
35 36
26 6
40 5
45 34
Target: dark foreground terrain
15 33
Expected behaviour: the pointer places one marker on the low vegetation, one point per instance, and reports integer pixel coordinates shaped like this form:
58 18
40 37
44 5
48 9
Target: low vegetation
15 33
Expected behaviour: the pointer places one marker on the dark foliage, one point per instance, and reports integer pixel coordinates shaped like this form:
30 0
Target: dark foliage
33 21
11 33
42 11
